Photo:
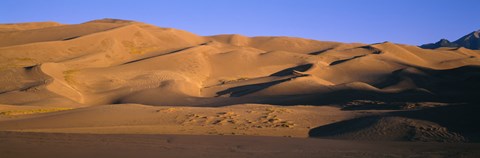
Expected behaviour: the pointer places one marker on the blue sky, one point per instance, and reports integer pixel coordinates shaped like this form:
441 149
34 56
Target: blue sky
368 21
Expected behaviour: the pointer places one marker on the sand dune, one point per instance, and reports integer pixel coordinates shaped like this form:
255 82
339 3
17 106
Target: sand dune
117 76
26 26
114 61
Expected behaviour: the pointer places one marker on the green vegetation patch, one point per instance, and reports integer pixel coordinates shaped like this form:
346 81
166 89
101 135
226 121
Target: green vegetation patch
31 111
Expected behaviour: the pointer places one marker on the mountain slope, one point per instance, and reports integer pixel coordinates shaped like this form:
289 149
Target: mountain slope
470 41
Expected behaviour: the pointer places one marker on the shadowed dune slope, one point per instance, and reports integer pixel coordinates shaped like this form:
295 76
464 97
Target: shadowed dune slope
454 123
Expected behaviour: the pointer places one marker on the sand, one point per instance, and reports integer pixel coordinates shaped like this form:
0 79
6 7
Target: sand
140 145
113 78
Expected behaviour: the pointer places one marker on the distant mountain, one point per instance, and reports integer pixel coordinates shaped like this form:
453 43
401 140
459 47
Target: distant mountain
470 41
441 43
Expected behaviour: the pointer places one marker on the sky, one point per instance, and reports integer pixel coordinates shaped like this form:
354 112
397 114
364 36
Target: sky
412 22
